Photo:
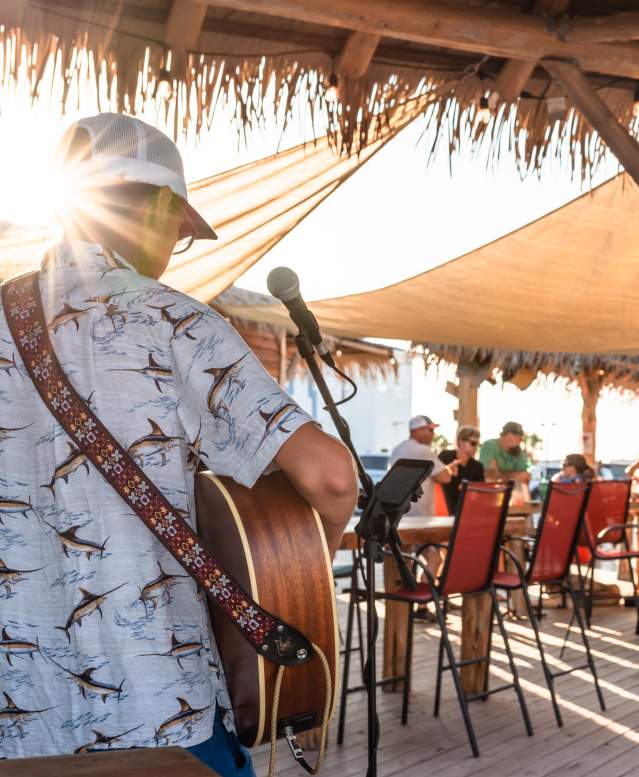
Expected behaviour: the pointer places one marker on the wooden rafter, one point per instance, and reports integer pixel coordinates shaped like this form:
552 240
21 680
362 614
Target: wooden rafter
576 86
357 53
515 73
480 30
604 29
12 12
184 25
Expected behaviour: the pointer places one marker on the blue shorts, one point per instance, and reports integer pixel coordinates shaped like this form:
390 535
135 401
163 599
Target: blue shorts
224 753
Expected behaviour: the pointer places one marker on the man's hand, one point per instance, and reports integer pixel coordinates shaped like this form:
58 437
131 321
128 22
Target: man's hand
323 471
448 473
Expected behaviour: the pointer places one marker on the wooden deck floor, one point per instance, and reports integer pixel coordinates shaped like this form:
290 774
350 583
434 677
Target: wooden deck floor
591 742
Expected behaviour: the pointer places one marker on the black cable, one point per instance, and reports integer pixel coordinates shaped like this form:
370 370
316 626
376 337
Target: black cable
345 377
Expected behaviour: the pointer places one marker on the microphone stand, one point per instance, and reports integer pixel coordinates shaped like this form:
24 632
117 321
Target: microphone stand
376 528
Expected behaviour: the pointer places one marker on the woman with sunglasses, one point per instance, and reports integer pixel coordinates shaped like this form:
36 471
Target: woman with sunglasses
575 469
469 468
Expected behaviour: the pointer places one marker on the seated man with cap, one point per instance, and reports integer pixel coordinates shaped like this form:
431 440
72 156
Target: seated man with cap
503 457
421 432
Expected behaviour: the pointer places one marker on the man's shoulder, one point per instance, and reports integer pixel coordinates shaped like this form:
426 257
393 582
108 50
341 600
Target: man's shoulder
411 449
488 451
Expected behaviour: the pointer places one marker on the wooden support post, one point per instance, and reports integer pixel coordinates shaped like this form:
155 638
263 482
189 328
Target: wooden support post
471 375
477 620
590 384
575 84
356 55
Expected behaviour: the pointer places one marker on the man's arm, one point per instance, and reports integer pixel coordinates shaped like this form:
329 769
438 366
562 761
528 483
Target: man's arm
323 471
632 469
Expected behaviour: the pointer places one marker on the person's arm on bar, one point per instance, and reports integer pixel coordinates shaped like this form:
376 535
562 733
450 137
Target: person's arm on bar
632 469
323 471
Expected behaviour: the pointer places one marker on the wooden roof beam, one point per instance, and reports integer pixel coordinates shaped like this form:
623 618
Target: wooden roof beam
513 77
577 88
516 73
465 28
184 25
12 12
357 53
605 29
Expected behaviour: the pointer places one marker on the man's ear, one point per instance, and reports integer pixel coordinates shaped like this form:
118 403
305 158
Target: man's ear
164 199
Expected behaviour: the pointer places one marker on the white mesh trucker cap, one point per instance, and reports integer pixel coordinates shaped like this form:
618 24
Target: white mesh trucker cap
126 149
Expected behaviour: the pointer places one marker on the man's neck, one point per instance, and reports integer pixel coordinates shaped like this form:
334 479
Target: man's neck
119 245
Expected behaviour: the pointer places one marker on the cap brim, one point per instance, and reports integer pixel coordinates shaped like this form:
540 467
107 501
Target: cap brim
194 224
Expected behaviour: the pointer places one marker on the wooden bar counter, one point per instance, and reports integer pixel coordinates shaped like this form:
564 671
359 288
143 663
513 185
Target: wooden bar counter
476 615
147 762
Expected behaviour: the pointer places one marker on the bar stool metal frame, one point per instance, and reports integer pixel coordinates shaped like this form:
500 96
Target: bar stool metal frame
606 521
477 530
553 550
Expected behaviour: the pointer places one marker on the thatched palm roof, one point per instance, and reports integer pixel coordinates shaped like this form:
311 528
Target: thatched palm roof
353 356
619 371
236 51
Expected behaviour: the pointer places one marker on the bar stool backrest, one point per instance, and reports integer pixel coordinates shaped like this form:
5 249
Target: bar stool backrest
475 538
607 506
558 531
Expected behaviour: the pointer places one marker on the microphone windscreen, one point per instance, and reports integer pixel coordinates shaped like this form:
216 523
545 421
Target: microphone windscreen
283 283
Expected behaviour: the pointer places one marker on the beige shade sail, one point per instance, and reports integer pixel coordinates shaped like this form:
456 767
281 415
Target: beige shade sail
252 208
567 282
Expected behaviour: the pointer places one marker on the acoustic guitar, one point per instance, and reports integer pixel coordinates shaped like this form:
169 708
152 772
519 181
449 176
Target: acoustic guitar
273 544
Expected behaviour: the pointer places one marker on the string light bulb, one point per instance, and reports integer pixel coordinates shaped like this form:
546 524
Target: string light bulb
163 85
332 91
483 114
635 104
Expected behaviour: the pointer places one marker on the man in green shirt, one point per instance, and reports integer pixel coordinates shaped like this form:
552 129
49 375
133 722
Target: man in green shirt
503 458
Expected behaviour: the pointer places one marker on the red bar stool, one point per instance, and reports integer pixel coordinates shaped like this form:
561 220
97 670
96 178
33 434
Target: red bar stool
606 522
469 567
550 560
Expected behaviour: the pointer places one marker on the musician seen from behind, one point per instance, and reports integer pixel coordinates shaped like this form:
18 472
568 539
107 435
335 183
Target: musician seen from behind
106 643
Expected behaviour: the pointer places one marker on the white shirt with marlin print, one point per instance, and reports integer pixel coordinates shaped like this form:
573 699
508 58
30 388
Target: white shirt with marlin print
104 641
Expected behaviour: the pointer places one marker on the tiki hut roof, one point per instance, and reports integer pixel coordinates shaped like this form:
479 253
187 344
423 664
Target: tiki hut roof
353 356
470 56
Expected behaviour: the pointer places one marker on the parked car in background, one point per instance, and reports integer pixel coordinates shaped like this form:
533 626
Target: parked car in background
543 471
375 464
613 470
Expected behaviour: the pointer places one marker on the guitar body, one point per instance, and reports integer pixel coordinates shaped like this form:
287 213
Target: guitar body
271 541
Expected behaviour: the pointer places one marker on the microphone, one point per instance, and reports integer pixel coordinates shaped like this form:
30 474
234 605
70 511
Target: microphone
284 284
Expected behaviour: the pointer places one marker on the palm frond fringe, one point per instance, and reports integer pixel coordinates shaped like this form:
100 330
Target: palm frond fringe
57 57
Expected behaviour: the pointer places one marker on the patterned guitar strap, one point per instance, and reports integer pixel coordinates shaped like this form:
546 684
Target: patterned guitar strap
25 316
